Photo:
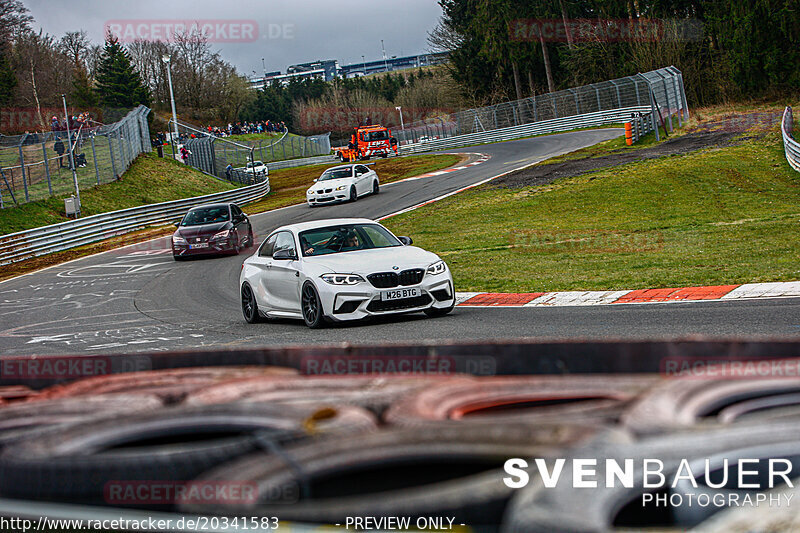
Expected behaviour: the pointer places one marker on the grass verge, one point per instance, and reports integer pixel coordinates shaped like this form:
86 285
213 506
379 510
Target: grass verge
711 217
150 179
288 186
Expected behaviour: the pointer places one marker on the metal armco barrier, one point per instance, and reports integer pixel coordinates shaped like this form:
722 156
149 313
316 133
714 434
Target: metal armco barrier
291 163
65 235
791 146
587 120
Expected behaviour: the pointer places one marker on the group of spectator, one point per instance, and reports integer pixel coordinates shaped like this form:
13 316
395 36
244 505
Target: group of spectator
75 122
241 128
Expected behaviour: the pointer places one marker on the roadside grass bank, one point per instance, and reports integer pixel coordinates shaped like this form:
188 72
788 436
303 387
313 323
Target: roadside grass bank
288 186
716 215
149 180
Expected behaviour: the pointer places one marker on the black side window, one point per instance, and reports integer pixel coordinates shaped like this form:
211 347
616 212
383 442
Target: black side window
268 246
236 211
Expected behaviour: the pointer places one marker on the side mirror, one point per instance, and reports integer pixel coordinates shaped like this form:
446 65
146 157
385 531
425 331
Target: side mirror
284 255
406 241
177 223
315 180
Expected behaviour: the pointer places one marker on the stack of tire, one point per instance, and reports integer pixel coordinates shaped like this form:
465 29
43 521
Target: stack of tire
397 445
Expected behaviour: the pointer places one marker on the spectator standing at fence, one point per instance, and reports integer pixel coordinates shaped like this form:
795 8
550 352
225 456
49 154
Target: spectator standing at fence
229 171
185 155
59 148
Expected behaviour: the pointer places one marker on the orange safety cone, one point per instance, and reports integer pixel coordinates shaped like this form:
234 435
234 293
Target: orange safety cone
628 134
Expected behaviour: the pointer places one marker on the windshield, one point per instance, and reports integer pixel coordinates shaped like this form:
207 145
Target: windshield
377 135
206 215
346 238
255 164
336 173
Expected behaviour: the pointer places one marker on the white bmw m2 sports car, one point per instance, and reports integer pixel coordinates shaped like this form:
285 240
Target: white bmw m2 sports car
342 184
342 269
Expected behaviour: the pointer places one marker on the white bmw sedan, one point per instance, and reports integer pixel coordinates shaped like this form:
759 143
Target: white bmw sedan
342 269
343 183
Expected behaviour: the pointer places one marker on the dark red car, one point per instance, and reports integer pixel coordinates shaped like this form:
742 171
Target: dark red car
212 229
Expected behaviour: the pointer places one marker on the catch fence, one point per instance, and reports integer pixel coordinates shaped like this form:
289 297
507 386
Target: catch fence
35 166
662 91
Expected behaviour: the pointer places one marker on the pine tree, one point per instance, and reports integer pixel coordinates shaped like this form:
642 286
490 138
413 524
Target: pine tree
118 83
82 93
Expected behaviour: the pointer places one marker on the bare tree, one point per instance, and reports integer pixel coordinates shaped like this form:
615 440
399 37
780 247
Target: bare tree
76 45
14 18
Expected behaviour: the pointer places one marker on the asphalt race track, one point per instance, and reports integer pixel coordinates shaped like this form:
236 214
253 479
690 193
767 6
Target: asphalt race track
138 299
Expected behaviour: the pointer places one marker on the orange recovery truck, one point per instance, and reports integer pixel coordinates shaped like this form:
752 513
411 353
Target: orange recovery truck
368 141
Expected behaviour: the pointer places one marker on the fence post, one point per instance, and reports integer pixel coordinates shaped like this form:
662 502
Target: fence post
678 98
666 96
94 158
636 87
577 104
8 187
555 104
22 169
653 111
111 154
597 92
47 169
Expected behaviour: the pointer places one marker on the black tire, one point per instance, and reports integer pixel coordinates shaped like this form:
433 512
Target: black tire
311 307
376 188
171 385
176 444
353 194
369 392
251 242
681 403
519 399
454 471
31 418
249 305
536 509
236 249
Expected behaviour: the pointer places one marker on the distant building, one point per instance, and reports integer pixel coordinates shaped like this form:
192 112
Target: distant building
329 69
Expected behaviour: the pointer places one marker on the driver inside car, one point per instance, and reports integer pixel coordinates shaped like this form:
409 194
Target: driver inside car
351 242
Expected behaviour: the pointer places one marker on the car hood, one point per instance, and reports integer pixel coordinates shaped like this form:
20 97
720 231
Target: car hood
331 184
375 260
201 231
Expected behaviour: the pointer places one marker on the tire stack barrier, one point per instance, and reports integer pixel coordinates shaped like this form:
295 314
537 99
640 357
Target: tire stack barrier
321 448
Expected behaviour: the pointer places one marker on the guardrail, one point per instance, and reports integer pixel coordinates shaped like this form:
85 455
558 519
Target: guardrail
65 235
598 118
790 146
290 163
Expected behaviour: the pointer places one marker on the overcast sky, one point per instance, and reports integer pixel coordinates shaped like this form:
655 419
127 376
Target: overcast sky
288 32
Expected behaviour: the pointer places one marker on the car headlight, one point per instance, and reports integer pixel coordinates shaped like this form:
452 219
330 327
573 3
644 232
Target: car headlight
178 240
222 234
437 268
342 279
309 192
341 187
